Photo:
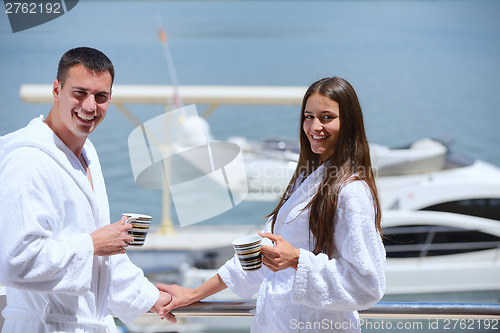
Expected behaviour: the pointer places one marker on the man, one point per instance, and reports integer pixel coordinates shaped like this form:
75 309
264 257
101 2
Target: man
63 263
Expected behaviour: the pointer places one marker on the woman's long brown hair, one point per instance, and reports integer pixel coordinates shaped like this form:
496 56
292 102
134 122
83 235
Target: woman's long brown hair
350 161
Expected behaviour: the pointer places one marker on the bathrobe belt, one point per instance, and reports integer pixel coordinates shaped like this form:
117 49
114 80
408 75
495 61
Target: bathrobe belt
47 318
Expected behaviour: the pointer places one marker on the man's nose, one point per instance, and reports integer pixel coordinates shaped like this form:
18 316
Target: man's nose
89 103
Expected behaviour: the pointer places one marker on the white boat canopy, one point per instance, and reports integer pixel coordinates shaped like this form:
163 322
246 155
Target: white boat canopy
164 94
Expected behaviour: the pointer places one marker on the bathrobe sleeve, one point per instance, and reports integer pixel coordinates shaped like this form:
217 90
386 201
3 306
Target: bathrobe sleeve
131 294
30 257
243 283
354 279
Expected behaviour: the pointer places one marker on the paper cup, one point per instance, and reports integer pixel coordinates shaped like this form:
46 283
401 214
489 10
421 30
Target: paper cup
247 249
140 227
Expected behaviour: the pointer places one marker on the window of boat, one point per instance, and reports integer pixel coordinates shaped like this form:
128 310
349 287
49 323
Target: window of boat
486 207
405 241
432 240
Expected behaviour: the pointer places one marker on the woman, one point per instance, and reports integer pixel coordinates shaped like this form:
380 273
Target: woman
328 259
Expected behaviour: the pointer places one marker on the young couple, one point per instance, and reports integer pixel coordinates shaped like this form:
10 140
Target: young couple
64 265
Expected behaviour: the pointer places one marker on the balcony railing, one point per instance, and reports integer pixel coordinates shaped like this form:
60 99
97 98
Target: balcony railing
476 314
385 309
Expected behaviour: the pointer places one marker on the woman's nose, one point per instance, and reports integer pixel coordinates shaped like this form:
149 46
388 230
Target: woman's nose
317 126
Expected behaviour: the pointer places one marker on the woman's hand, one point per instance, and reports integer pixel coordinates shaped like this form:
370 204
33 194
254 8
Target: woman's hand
280 256
163 300
184 296
180 297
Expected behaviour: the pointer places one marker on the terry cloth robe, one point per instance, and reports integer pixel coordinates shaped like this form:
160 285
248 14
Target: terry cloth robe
322 295
54 282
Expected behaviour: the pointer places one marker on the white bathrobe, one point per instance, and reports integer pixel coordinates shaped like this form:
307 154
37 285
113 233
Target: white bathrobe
48 210
322 295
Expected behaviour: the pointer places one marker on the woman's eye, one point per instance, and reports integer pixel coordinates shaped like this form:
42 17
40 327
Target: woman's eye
330 117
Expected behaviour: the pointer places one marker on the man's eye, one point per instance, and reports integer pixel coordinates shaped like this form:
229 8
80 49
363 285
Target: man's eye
80 93
101 98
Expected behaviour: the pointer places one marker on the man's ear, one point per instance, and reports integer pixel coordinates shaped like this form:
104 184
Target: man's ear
56 90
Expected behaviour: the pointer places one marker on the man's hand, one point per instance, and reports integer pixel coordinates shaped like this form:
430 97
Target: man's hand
112 239
280 256
184 296
163 300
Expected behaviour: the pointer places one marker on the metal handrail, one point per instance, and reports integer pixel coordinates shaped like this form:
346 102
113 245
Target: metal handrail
382 309
400 309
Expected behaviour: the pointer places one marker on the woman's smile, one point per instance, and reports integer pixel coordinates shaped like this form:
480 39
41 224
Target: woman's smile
322 125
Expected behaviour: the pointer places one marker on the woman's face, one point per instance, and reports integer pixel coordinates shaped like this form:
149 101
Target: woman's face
322 125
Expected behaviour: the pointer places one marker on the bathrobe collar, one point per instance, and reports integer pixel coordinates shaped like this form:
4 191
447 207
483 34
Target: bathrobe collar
38 135
304 192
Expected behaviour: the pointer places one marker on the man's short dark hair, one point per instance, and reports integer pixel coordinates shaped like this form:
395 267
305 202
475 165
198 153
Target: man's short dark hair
92 59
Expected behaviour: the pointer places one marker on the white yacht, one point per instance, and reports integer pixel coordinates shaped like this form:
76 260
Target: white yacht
441 232
440 252
463 186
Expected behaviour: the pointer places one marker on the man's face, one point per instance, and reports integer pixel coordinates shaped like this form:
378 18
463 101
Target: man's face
83 99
